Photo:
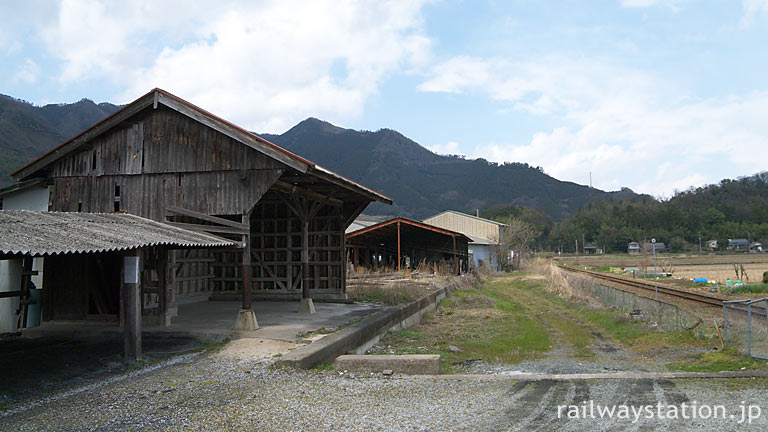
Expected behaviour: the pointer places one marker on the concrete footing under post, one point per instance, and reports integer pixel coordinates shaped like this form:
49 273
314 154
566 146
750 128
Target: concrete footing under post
307 306
246 320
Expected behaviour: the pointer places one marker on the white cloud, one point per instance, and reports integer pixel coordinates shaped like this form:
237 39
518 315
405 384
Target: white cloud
27 72
616 122
651 3
751 9
264 65
449 148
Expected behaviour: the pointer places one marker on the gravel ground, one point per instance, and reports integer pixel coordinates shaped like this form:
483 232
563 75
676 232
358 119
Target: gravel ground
213 392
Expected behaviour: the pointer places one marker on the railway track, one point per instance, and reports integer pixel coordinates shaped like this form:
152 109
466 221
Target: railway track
647 286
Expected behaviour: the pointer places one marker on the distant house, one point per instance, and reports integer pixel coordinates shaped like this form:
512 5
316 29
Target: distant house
738 244
633 248
592 249
485 235
660 247
712 244
756 247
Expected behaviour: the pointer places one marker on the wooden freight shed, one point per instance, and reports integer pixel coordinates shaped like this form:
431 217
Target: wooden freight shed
164 159
401 242
108 264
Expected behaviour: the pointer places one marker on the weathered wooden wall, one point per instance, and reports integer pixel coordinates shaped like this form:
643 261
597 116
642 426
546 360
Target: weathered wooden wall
276 252
161 159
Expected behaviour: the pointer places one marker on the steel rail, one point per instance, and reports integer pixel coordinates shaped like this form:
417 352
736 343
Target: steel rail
687 295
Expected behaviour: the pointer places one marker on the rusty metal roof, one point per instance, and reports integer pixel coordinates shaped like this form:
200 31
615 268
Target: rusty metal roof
409 222
40 233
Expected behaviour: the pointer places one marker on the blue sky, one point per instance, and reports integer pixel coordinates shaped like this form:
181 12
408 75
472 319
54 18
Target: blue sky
655 95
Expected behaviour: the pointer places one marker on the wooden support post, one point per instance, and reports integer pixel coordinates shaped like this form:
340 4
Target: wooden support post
246 319
172 309
398 246
306 306
455 266
355 257
305 259
246 267
342 255
132 305
24 298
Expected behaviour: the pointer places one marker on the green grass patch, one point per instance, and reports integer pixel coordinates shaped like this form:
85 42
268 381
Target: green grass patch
635 334
324 367
725 360
749 289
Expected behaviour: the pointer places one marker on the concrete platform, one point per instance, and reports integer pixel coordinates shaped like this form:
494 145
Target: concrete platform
413 364
215 321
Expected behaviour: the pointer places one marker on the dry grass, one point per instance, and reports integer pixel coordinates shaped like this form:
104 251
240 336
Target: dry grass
387 293
720 272
400 288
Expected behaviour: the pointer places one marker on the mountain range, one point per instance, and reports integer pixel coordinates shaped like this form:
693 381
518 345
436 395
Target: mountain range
421 182
27 131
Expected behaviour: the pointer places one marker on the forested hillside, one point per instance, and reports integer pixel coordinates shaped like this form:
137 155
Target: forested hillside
730 209
27 131
424 183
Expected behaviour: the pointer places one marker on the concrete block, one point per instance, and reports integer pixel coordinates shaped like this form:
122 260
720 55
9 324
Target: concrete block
246 320
413 364
307 306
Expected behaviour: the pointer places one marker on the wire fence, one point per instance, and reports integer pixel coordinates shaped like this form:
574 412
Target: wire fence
745 324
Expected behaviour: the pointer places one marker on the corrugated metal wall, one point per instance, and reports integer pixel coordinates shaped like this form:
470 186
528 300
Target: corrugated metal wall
465 224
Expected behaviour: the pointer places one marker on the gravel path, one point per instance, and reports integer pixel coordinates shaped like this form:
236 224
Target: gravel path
212 392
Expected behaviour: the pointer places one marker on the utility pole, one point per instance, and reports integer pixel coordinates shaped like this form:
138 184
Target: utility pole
655 275
577 251
699 242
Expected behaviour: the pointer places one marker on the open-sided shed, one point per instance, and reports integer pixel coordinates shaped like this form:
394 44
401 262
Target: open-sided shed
96 261
398 242
165 159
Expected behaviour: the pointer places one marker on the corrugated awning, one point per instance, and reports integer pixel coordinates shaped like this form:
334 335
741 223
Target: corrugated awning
37 233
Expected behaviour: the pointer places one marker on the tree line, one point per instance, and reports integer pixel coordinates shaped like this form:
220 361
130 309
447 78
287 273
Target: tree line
730 209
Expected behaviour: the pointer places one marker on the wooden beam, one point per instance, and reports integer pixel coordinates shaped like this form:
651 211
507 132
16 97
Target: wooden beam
291 206
359 209
207 228
349 185
206 217
297 190
268 270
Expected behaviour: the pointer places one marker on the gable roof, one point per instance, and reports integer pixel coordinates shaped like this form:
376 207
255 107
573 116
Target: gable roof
161 97
409 222
468 216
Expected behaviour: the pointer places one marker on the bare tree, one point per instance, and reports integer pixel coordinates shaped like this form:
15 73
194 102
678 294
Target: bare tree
516 236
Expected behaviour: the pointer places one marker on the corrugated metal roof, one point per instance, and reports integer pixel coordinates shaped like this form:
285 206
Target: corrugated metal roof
481 241
51 233
467 216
